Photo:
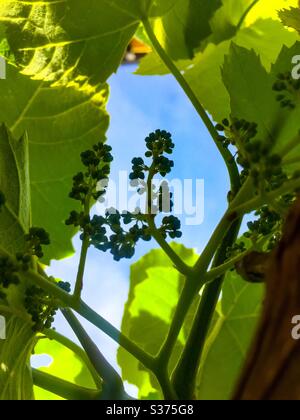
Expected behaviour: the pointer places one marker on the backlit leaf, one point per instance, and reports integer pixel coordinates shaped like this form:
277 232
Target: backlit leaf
60 123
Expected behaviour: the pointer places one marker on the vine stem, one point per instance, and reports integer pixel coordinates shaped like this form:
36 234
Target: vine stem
219 270
112 383
66 342
68 301
191 288
177 261
182 308
205 258
84 250
237 209
81 268
165 383
228 158
245 14
63 388
185 374
93 317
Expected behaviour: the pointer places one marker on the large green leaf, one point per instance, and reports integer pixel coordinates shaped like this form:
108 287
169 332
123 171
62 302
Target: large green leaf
291 18
15 215
154 291
14 184
229 340
64 365
250 89
60 123
69 41
253 99
15 351
15 377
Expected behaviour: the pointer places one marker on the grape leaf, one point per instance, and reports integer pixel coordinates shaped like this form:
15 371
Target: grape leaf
266 37
15 351
65 365
291 18
14 184
154 291
60 123
229 340
15 378
66 42
250 89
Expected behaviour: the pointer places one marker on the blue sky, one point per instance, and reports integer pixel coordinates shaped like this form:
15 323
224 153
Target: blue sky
139 105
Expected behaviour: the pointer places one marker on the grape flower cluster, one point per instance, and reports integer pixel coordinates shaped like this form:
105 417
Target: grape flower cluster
11 266
254 155
236 249
287 90
268 224
41 306
158 143
257 160
86 184
38 303
121 242
120 232
8 275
